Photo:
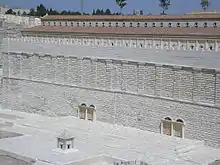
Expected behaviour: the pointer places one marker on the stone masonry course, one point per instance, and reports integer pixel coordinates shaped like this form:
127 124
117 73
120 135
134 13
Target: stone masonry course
135 94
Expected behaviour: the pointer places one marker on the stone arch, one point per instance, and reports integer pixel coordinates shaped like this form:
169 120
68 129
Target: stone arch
178 128
179 121
92 106
168 118
83 104
166 126
82 111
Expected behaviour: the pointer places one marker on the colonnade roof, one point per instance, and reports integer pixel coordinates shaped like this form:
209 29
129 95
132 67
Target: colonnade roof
215 16
180 31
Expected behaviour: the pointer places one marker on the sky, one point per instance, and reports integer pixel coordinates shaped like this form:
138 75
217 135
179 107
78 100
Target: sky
148 6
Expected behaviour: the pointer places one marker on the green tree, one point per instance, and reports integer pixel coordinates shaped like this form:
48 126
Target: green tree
24 13
102 12
98 12
164 4
107 12
9 11
32 12
204 4
19 13
93 12
41 10
121 4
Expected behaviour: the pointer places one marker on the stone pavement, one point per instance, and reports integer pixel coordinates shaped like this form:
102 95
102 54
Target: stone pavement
96 138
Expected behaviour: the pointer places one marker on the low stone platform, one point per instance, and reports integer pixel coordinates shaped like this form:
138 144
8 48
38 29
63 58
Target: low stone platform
97 138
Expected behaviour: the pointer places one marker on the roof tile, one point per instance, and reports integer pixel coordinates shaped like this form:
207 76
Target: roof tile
129 30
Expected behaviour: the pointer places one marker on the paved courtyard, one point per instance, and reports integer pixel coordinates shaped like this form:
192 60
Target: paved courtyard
96 138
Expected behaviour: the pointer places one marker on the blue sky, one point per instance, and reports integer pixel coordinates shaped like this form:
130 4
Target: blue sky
148 6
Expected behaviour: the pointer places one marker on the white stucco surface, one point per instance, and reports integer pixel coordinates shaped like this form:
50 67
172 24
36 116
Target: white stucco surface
95 138
188 58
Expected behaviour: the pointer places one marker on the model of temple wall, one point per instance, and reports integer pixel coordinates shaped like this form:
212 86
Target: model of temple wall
135 94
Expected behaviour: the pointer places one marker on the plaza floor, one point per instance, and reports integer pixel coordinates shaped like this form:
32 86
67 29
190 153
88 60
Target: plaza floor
39 133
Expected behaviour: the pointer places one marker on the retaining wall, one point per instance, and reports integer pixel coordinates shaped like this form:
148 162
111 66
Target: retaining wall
124 92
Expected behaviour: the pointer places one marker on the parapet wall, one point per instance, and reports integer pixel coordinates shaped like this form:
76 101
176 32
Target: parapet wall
141 43
178 83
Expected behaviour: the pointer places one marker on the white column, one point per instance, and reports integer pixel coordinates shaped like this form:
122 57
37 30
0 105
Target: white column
206 45
197 45
94 115
171 128
86 118
161 127
187 45
183 130
78 113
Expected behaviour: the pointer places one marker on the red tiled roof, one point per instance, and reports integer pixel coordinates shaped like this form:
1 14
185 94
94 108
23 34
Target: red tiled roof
132 17
129 30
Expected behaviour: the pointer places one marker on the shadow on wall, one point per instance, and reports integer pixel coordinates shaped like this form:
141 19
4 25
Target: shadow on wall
217 162
7 158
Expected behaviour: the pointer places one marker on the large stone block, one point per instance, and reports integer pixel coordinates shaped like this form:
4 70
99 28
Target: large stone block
74 71
217 89
129 76
60 69
158 80
167 81
183 83
151 79
116 75
201 122
101 74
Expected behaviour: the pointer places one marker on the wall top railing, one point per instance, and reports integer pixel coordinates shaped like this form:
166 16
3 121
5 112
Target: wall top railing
115 61
162 44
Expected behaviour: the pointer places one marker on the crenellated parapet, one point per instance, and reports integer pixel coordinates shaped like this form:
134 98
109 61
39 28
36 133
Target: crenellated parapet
178 83
166 44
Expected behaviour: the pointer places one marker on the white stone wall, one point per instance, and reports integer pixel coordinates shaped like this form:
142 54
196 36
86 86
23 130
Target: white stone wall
129 93
23 20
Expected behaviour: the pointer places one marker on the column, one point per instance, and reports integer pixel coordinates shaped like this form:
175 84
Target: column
94 115
171 128
78 115
183 130
161 127
86 118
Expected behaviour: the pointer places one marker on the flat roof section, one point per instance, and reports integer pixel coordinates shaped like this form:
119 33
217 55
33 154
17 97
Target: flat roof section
184 58
165 31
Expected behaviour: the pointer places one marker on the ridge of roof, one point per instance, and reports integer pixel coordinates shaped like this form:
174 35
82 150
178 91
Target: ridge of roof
133 17
65 135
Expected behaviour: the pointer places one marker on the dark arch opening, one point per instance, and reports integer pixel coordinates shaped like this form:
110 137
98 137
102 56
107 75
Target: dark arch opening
92 106
179 121
167 118
83 104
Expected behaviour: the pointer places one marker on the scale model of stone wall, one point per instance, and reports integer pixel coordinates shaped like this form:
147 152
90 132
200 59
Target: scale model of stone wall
135 94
